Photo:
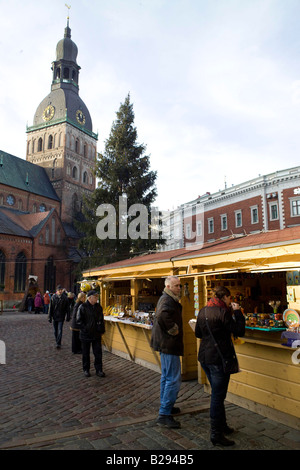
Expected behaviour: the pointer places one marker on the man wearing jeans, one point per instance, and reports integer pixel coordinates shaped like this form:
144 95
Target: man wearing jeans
167 338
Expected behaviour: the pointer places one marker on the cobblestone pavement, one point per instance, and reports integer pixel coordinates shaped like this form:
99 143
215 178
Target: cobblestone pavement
47 404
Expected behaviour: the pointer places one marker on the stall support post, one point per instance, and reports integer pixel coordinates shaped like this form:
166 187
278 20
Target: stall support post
134 290
103 296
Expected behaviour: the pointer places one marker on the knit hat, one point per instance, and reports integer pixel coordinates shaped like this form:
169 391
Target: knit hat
92 292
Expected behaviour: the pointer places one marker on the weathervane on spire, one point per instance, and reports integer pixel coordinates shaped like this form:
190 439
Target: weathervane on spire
68 7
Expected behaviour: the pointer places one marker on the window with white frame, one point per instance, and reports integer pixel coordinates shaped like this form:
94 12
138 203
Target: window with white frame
295 207
238 218
199 228
188 231
273 208
224 222
210 222
254 215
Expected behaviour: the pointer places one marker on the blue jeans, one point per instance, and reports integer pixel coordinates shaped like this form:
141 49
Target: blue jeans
58 329
219 384
170 382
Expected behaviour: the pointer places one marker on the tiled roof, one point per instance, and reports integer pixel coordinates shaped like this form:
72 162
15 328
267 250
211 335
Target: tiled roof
18 173
13 222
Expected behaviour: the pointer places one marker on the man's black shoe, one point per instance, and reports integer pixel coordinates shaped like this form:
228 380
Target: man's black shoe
100 373
86 373
175 410
168 422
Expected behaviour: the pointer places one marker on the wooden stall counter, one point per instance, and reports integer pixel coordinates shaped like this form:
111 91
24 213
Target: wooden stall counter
269 381
130 339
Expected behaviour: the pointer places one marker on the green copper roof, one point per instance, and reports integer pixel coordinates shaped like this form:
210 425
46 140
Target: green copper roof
19 173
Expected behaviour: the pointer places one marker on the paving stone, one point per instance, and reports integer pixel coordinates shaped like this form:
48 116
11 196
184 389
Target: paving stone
47 403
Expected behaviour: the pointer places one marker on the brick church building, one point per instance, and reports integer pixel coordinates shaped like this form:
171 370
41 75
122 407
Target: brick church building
41 197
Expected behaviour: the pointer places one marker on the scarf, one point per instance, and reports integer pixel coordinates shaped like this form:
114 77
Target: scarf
171 294
215 302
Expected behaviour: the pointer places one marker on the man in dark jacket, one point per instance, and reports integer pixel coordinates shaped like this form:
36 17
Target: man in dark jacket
167 338
58 312
90 320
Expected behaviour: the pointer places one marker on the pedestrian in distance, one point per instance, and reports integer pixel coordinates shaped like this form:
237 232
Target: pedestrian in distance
58 312
215 326
46 299
38 303
76 342
90 320
167 339
30 303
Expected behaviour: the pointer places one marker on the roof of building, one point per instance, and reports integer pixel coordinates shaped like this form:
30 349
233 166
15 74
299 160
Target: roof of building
18 173
22 224
248 242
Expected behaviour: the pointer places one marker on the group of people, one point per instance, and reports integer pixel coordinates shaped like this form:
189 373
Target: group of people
216 324
87 325
38 303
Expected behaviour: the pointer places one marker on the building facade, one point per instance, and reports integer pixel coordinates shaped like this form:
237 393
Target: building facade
41 197
266 203
61 139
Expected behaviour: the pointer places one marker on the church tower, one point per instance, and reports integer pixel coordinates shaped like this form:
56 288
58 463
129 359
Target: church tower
62 139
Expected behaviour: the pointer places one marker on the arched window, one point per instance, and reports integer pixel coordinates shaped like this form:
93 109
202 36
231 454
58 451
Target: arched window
2 271
77 146
20 272
85 177
40 144
53 231
50 142
66 73
75 172
75 207
50 275
85 150
47 235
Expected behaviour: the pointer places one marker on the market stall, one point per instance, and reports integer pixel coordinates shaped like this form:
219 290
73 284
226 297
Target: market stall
262 273
129 295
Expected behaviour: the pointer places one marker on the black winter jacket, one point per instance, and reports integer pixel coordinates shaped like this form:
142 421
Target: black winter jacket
167 332
90 320
74 325
59 308
222 325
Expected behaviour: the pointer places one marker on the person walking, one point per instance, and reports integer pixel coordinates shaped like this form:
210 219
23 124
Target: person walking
90 320
216 323
167 339
76 342
46 299
58 312
38 303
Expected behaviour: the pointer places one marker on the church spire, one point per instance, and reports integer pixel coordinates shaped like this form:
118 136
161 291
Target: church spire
65 67
67 29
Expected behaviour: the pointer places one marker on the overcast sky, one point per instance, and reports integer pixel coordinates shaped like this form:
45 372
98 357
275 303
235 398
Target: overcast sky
215 84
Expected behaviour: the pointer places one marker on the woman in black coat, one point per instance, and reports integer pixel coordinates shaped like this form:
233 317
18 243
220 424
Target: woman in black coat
216 323
76 342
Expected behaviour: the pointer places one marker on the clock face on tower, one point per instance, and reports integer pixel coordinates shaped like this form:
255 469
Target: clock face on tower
80 117
48 113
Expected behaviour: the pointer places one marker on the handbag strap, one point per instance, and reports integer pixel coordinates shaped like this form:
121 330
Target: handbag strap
215 343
